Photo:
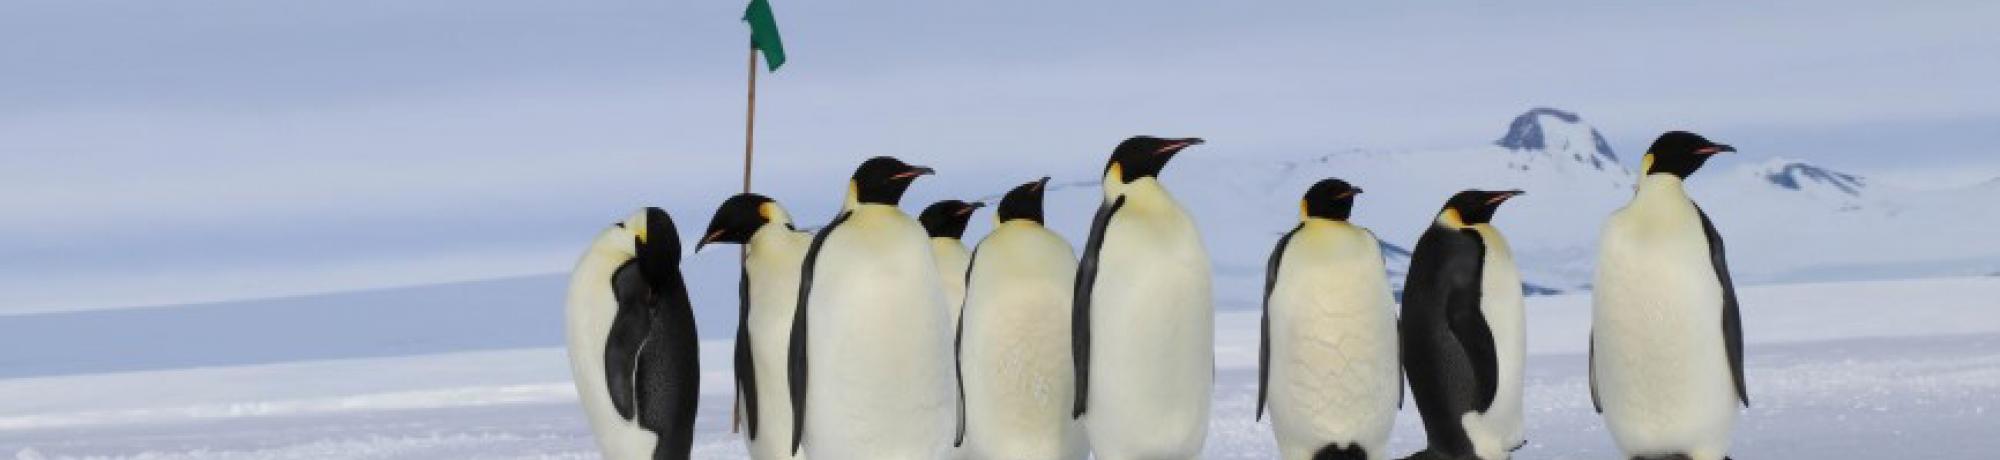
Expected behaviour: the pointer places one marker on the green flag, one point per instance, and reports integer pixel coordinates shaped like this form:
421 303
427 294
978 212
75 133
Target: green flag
764 32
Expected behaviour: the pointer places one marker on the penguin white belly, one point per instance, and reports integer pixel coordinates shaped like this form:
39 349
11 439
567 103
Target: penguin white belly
588 312
1019 382
774 297
1152 336
1662 372
881 382
1335 375
951 259
1497 431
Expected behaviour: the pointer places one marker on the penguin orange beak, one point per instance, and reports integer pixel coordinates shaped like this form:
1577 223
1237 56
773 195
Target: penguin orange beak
1178 145
1040 184
1715 149
970 207
1350 193
1499 197
706 239
913 173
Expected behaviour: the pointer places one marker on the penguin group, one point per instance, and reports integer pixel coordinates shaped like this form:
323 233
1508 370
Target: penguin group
881 336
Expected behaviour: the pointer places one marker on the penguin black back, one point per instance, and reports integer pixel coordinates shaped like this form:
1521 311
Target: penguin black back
1448 349
651 362
1440 292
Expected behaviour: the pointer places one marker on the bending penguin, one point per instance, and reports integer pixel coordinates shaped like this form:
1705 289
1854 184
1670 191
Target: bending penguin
769 294
1462 332
945 222
1143 322
1014 338
870 364
1666 361
632 340
1327 361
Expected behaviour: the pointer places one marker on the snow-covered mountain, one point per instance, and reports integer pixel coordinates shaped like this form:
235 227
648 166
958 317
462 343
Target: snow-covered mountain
1784 219
1559 133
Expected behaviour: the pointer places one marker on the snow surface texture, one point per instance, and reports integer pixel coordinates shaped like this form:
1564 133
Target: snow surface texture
1860 370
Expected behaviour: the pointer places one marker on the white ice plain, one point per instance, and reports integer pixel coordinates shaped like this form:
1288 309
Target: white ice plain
1856 370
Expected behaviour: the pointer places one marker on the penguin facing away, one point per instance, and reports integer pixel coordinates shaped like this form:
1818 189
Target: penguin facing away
945 222
1327 362
768 294
1143 340
1666 347
632 342
870 367
1462 331
1014 335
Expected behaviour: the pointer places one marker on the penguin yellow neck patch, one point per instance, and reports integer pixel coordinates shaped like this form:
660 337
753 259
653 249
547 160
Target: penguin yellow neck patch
1115 173
1646 164
764 210
1451 218
1303 210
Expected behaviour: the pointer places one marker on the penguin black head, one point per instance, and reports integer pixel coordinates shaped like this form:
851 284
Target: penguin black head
1331 199
739 217
1024 202
882 180
656 245
946 219
1144 156
1473 207
1679 153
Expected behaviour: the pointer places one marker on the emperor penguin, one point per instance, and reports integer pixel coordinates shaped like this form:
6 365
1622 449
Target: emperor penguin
1013 353
1143 321
632 343
1327 361
945 222
1463 332
870 365
1666 361
768 294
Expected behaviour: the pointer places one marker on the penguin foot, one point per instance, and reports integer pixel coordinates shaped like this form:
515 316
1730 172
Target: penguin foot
1428 454
1524 443
1335 452
1665 457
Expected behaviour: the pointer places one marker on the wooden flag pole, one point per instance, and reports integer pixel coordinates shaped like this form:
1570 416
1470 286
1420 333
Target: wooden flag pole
750 121
749 142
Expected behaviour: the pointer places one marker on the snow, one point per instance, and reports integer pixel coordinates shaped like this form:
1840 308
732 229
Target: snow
1877 369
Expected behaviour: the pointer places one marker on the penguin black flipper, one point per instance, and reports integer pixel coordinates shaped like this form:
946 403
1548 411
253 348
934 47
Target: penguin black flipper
1732 318
1264 325
796 363
1590 373
628 333
958 349
746 369
668 377
1468 322
1086 277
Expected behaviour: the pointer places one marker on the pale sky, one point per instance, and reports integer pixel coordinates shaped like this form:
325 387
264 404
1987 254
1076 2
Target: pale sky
159 152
